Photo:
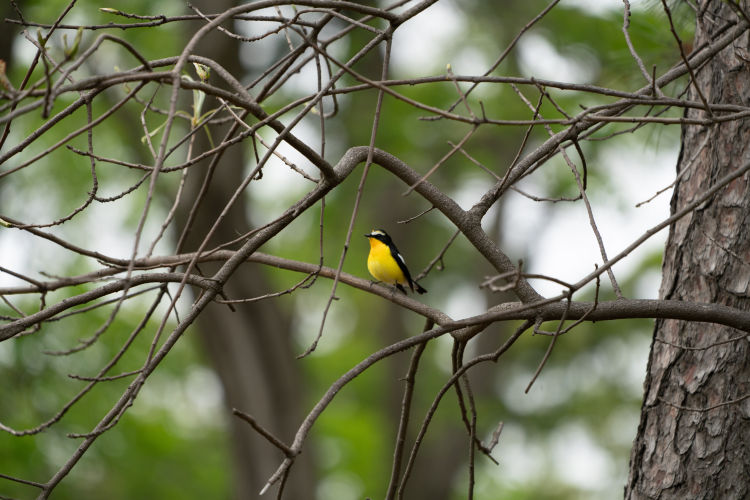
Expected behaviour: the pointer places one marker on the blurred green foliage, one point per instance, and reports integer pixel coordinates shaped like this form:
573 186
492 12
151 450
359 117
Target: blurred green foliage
590 387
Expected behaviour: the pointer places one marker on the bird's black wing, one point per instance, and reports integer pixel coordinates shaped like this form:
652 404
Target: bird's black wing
401 263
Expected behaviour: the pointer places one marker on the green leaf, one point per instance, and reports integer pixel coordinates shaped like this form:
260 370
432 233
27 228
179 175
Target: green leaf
71 52
202 71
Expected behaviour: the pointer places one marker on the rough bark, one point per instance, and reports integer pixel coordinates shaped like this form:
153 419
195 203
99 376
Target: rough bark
693 440
251 348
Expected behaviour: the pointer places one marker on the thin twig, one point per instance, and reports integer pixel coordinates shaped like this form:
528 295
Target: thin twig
693 77
708 408
263 432
403 422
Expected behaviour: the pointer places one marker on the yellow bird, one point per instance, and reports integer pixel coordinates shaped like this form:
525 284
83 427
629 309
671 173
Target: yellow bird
386 264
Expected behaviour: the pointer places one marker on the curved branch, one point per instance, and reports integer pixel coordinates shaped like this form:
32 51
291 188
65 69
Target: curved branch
16 327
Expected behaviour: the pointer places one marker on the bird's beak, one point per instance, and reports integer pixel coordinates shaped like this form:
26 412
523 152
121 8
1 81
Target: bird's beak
368 235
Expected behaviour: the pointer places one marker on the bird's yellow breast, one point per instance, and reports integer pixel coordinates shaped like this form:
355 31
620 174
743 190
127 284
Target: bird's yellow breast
382 265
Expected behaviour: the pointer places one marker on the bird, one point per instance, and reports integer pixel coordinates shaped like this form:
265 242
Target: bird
386 264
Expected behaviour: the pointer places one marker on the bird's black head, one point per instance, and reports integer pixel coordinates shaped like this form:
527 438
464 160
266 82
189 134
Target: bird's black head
380 235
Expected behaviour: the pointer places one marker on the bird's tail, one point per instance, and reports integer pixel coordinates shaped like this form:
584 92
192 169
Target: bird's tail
419 288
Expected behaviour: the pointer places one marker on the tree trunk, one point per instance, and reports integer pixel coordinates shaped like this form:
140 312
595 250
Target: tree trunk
693 440
250 348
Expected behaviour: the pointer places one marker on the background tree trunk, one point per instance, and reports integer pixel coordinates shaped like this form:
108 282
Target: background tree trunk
690 444
250 347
